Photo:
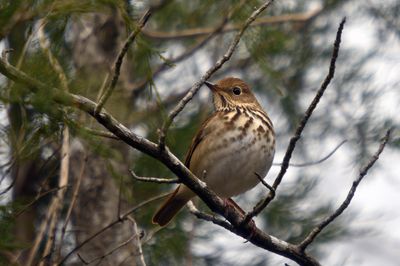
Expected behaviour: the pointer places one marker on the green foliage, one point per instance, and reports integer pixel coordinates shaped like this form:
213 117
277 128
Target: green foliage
8 242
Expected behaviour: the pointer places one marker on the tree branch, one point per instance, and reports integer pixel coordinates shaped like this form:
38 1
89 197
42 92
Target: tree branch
117 67
208 217
293 141
363 172
323 159
193 90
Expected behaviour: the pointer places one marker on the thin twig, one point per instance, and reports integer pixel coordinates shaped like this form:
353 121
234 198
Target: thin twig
100 133
323 159
119 197
126 242
363 172
270 188
196 86
155 179
38 197
292 144
118 63
208 217
118 220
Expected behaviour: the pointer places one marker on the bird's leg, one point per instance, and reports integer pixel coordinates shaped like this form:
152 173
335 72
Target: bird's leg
230 202
233 204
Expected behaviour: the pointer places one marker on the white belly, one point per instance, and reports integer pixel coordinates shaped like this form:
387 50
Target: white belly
231 168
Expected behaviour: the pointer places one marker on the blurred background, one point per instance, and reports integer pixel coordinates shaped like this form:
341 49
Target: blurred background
284 56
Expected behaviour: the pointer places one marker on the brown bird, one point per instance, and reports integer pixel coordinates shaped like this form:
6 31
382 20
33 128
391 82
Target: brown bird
234 144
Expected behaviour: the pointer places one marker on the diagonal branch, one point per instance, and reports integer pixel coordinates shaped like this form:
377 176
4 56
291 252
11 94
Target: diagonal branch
293 141
118 63
196 86
363 172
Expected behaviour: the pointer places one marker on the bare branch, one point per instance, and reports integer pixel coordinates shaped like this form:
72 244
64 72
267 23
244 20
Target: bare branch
39 196
293 141
363 172
270 188
118 220
193 90
117 67
155 179
208 217
100 258
323 159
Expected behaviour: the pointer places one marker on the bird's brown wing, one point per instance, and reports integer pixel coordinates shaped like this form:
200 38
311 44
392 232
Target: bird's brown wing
204 130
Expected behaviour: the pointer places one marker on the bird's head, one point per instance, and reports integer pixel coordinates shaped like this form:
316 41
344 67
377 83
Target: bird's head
231 93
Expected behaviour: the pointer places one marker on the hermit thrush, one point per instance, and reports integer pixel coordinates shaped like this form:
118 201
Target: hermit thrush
234 145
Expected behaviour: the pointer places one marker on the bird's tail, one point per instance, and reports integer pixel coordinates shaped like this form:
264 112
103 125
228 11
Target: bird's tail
169 208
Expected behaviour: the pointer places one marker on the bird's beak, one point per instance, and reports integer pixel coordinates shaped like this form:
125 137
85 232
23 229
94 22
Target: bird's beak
210 85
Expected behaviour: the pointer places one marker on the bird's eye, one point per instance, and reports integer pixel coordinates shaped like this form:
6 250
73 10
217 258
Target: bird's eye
237 90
